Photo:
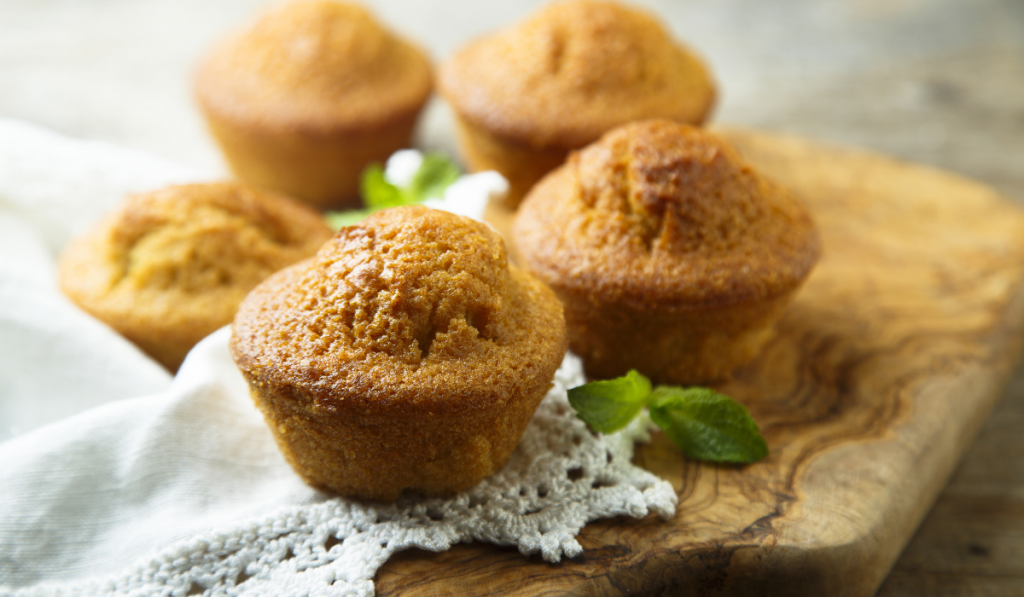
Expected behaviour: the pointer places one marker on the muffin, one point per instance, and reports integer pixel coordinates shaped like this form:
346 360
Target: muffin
670 254
309 95
525 96
407 356
171 266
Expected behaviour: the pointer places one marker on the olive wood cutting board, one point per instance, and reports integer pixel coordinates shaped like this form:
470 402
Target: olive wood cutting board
881 373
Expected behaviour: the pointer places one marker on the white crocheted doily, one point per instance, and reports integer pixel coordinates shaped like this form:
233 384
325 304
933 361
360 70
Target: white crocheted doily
559 478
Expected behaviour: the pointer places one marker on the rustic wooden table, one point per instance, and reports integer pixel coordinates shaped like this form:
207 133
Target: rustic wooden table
934 81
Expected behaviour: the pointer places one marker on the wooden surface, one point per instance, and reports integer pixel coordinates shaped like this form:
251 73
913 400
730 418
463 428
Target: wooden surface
934 81
882 372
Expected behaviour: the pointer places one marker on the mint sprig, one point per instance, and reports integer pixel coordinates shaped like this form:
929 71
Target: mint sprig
705 424
610 405
435 174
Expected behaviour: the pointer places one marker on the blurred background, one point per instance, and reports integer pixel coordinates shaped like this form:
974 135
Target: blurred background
939 82
934 81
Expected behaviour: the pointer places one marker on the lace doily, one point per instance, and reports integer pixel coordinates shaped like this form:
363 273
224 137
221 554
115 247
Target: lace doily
559 478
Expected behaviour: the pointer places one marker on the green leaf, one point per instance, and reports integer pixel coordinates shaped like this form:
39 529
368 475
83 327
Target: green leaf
337 220
434 175
707 425
610 405
376 191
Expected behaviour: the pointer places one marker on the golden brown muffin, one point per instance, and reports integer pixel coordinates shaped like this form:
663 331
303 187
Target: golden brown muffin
309 95
670 254
525 96
407 355
171 266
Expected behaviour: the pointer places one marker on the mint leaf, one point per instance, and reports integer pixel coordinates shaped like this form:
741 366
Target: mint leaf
376 191
610 405
704 424
707 425
337 220
435 174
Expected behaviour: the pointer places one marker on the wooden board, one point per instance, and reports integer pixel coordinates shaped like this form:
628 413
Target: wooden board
882 372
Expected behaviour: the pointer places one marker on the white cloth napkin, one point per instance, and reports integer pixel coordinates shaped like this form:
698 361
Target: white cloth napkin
55 360
134 484
87 495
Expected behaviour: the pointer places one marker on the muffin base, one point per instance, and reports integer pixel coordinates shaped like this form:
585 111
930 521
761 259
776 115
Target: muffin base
370 456
319 168
694 347
521 164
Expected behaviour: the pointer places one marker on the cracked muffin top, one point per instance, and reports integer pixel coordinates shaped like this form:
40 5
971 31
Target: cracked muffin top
171 266
411 311
665 216
315 64
574 70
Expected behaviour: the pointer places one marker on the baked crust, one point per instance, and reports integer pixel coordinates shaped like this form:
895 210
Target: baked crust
564 76
407 355
171 266
309 95
671 255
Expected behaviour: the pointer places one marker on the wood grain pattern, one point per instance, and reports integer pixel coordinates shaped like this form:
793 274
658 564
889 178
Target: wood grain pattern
882 371
971 543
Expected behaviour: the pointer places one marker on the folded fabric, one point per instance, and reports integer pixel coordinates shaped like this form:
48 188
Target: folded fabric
181 489
55 360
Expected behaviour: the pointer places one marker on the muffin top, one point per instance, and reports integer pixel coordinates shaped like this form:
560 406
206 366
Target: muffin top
663 216
180 260
411 311
314 65
573 71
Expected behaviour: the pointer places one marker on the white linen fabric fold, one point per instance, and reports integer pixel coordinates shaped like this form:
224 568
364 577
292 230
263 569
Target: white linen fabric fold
161 487
94 492
55 360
